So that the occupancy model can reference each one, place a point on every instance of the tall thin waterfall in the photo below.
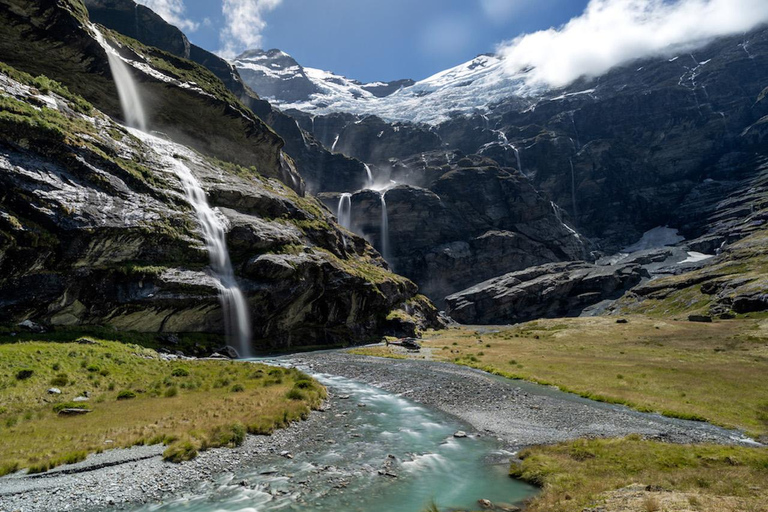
(384, 227)
(517, 156)
(345, 210)
(370, 175)
(233, 303)
(130, 101)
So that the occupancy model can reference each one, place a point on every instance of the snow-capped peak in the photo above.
(465, 89)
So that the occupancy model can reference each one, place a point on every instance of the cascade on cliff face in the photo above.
(233, 302)
(345, 210)
(384, 228)
(130, 101)
(370, 175)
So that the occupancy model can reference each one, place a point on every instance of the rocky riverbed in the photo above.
(506, 414)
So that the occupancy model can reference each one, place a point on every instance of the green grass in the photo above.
(716, 372)
(136, 398)
(576, 474)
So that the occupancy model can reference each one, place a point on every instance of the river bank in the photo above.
(506, 414)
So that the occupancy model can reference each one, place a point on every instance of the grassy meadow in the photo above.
(135, 397)
(716, 372)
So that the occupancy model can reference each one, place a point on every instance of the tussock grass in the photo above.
(136, 398)
(575, 474)
(716, 372)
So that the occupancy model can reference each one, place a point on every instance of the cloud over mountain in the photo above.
(613, 32)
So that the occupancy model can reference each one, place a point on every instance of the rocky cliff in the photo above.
(320, 169)
(95, 228)
(470, 221)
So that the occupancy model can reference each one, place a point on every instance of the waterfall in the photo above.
(345, 210)
(233, 303)
(559, 216)
(384, 227)
(517, 156)
(130, 101)
(370, 175)
(335, 141)
(573, 190)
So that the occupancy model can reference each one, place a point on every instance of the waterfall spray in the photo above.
(345, 210)
(384, 227)
(233, 303)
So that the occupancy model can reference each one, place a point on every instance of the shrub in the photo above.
(24, 373)
(237, 388)
(304, 384)
(93, 368)
(56, 367)
(228, 435)
(126, 394)
(61, 379)
(180, 372)
(171, 392)
(104, 372)
(295, 394)
(181, 451)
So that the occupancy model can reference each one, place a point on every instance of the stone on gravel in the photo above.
(54, 391)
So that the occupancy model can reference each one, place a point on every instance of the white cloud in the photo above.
(171, 11)
(614, 32)
(244, 23)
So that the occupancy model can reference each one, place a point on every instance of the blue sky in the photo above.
(378, 39)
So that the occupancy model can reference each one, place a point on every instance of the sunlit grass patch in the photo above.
(135, 397)
(576, 474)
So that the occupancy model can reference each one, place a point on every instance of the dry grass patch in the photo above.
(582, 474)
(136, 398)
(717, 372)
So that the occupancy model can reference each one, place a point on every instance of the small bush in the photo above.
(126, 394)
(93, 368)
(24, 374)
(181, 451)
(61, 379)
(237, 388)
(171, 392)
(304, 384)
(104, 372)
(180, 372)
(56, 367)
(295, 394)
(229, 435)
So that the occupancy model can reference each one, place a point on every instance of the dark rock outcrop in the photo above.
(547, 291)
(474, 222)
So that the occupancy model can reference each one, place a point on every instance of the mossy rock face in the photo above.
(97, 232)
(53, 39)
